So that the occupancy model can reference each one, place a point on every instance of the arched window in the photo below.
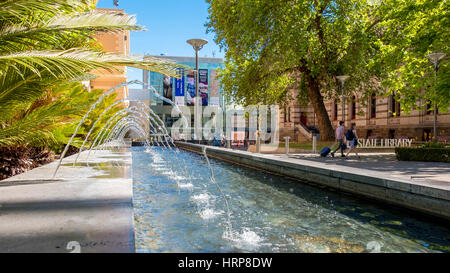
(373, 106)
(353, 107)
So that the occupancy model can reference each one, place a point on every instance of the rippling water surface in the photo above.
(179, 209)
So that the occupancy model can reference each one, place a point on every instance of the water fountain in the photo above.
(116, 127)
(107, 93)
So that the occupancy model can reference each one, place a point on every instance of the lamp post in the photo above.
(342, 79)
(197, 44)
(435, 58)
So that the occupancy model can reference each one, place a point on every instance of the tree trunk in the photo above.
(16, 160)
(313, 88)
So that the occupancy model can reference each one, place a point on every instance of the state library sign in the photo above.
(384, 143)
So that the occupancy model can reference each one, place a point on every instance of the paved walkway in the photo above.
(86, 209)
(385, 163)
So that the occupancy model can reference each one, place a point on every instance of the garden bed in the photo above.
(423, 154)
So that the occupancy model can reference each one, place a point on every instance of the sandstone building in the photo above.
(381, 117)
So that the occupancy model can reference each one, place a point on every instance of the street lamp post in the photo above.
(197, 44)
(435, 58)
(342, 79)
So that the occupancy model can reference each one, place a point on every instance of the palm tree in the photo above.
(45, 44)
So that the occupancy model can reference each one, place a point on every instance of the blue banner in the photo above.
(179, 89)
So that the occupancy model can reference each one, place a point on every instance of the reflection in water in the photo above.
(268, 213)
(115, 167)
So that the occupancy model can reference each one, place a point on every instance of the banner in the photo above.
(203, 85)
(214, 89)
(190, 90)
(167, 88)
(179, 89)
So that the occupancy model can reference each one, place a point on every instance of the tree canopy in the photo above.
(273, 46)
(410, 30)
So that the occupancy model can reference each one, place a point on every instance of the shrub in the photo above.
(433, 144)
(423, 154)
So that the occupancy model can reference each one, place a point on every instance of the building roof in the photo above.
(183, 59)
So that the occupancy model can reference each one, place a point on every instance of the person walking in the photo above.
(352, 138)
(340, 139)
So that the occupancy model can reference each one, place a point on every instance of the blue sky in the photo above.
(169, 24)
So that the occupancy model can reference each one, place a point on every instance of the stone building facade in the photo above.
(380, 117)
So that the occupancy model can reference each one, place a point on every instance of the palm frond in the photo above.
(39, 137)
(20, 8)
(15, 37)
(95, 21)
(35, 127)
(72, 62)
(66, 62)
(17, 94)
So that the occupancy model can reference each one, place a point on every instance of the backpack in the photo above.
(350, 135)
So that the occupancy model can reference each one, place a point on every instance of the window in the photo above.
(335, 110)
(430, 108)
(287, 114)
(427, 136)
(353, 107)
(391, 134)
(303, 118)
(395, 107)
(373, 106)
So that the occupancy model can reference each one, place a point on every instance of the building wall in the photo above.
(156, 81)
(119, 43)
